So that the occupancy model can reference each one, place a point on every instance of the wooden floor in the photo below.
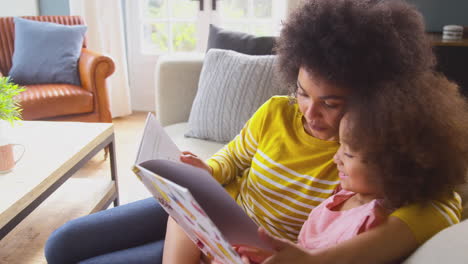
(25, 244)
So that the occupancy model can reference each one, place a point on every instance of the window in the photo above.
(171, 26)
(257, 17)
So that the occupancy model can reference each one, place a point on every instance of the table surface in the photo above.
(51, 149)
(437, 40)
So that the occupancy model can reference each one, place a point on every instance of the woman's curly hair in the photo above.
(415, 132)
(355, 44)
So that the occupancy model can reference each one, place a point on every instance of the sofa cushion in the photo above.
(202, 148)
(231, 88)
(60, 99)
(46, 52)
(219, 38)
(447, 246)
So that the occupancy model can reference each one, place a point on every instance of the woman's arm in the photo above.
(178, 248)
(235, 157)
(427, 219)
(225, 166)
(391, 241)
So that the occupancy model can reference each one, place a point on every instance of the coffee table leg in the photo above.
(114, 169)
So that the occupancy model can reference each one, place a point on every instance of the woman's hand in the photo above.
(192, 159)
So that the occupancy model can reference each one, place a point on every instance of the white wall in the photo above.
(293, 4)
(19, 8)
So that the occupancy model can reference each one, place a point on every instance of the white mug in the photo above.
(7, 160)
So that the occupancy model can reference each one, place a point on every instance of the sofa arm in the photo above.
(447, 246)
(176, 86)
(94, 68)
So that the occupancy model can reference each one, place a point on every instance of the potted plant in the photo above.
(10, 110)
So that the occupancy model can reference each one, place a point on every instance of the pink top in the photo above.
(325, 227)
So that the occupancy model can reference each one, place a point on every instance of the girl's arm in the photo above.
(406, 229)
(390, 241)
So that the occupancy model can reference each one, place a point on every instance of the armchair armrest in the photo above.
(176, 86)
(94, 68)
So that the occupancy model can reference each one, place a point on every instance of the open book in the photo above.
(192, 197)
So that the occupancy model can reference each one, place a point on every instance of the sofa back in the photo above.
(7, 35)
(176, 86)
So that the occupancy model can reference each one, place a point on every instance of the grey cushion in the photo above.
(231, 88)
(219, 38)
(46, 52)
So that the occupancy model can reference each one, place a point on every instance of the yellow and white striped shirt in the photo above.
(280, 173)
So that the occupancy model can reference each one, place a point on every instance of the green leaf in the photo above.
(10, 108)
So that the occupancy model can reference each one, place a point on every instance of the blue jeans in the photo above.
(131, 233)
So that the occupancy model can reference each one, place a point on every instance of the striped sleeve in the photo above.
(235, 157)
(426, 220)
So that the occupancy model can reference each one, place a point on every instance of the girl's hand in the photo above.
(253, 254)
(192, 159)
(245, 260)
(286, 251)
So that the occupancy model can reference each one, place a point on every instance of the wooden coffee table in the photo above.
(54, 152)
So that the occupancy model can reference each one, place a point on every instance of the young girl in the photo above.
(359, 206)
(413, 152)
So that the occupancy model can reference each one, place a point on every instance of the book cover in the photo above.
(192, 197)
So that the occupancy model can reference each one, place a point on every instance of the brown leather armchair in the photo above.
(88, 102)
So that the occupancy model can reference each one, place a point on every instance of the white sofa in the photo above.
(176, 86)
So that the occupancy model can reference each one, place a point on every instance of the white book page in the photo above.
(156, 143)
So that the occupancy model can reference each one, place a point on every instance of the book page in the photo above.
(156, 143)
(184, 209)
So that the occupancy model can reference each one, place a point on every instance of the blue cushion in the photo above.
(46, 52)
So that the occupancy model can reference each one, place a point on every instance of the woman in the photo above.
(329, 50)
